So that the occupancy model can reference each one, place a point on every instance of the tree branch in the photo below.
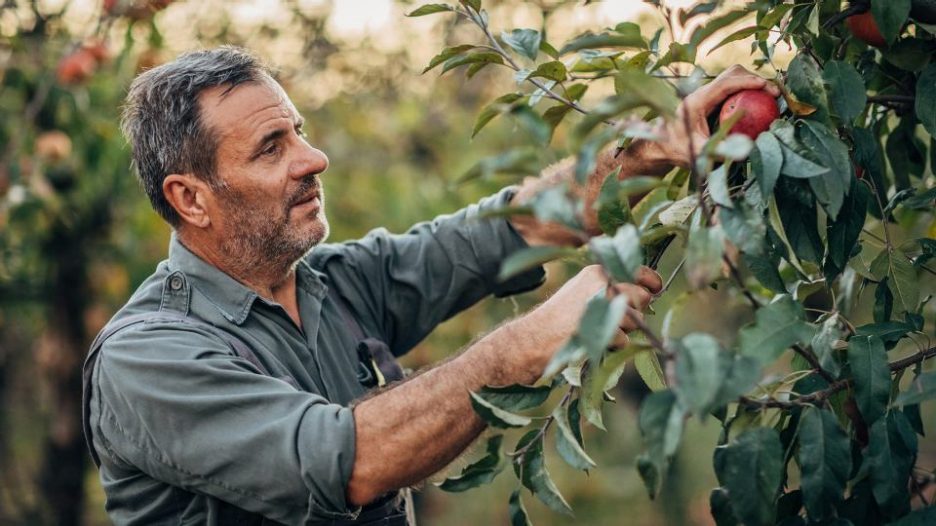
(821, 396)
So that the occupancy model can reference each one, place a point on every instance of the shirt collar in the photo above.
(232, 298)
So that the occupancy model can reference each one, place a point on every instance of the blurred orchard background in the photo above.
(77, 234)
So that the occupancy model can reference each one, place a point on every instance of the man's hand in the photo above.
(673, 145)
(642, 157)
(556, 320)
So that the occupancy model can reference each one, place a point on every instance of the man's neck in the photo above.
(268, 281)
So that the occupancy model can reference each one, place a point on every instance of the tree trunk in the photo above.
(60, 354)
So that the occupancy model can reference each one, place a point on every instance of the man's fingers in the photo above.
(630, 321)
(723, 87)
(637, 297)
(649, 279)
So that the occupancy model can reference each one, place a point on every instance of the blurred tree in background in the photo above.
(77, 235)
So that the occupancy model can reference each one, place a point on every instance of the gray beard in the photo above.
(264, 248)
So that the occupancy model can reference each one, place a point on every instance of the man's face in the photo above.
(269, 206)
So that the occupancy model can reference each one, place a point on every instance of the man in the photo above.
(230, 388)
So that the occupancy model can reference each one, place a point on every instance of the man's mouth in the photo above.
(314, 196)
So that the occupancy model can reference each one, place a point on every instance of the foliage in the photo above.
(831, 201)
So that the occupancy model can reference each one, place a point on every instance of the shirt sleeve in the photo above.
(406, 284)
(176, 403)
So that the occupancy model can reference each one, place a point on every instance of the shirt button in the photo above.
(175, 283)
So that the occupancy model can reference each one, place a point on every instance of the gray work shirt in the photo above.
(186, 429)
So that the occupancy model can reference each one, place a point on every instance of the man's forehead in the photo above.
(245, 108)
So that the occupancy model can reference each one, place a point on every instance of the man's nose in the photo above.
(312, 162)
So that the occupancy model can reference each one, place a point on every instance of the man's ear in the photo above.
(191, 198)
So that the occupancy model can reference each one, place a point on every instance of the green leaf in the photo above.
(650, 371)
(890, 16)
(599, 380)
(517, 397)
(648, 90)
(740, 34)
(736, 147)
(430, 9)
(477, 57)
(720, 506)
(533, 475)
(677, 52)
(825, 462)
(446, 54)
(530, 258)
(553, 70)
(718, 186)
(751, 469)
(603, 40)
(704, 255)
(612, 211)
(741, 376)
(716, 23)
(766, 161)
(830, 188)
(922, 388)
(480, 472)
(846, 90)
(842, 233)
(868, 361)
(555, 205)
(891, 453)
(824, 342)
(804, 79)
(700, 371)
(745, 228)
(519, 161)
(566, 444)
(799, 219)
(889, 331)
(799, 162)
(779, 325)
(621, 256)
(925, 102)
(775, 15)
(500, 105)
(473, 4)
(902, 282)
(921, 517)
(661, 424)
(523, 41)
(532, 122)
(600, 322)
(518, 514)
(496, 416)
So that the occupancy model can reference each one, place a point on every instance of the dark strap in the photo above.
(378, 365)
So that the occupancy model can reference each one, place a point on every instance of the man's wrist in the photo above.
(645, 157)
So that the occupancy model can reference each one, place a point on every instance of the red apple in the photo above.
(865, 28)
(76, 67)
(759, 107)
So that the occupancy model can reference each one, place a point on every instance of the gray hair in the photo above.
(162, 117)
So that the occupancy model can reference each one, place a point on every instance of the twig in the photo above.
(821, 396)
(495, 45)
(545, 427)
(810, 357)
(880, 99)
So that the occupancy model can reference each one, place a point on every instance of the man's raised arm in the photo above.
(413, 430)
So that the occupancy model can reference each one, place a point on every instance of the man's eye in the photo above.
(270, 150)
